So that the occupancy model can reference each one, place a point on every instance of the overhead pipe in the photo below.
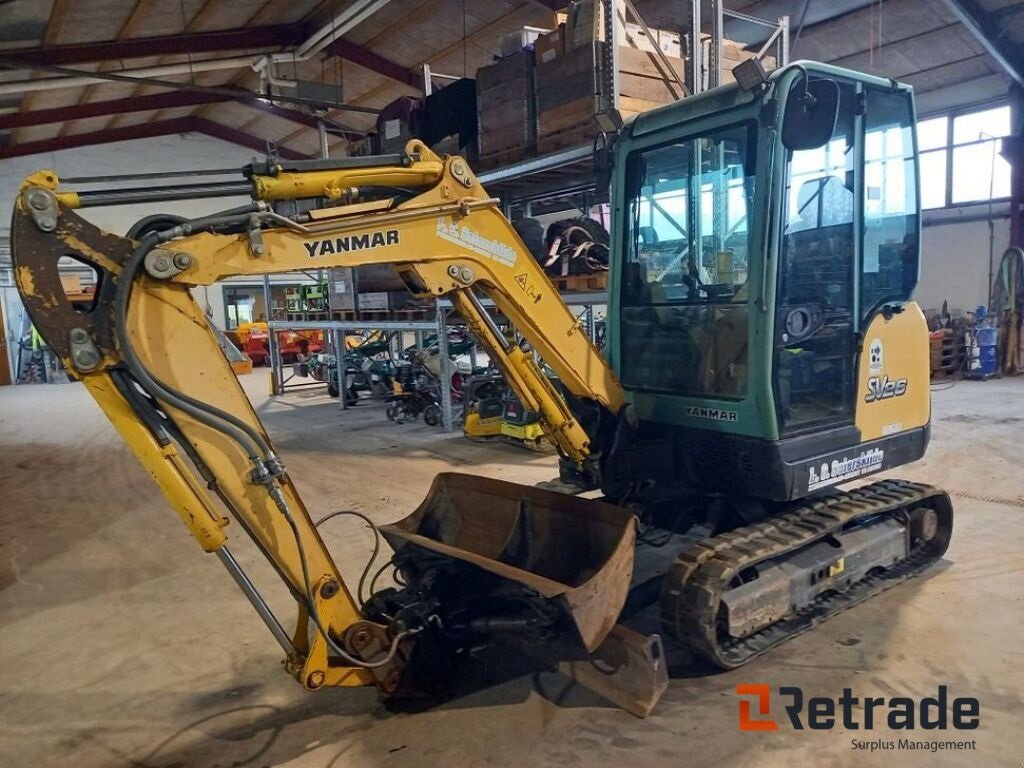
(165, 70)
(346, 20)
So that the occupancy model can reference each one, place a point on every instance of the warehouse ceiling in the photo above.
(950, 54)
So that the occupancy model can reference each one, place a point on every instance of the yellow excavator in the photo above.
(763, 348)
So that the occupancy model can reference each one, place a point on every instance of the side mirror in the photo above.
(811, 113)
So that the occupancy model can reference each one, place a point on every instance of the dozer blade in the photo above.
(575, 552)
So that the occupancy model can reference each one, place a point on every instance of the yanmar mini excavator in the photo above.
(763, 349)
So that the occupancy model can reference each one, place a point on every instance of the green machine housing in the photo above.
(749, 257)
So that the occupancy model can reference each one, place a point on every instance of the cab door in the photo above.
(816, 318)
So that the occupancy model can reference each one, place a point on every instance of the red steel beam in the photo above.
(278, 36)
(112, 107)
(169, 100)
(295, 116)
(235, 136)
(281, 35)
(374, 62)
(144, 131)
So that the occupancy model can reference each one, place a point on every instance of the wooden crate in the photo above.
(565, 92)
(573, 124)
(506, 117)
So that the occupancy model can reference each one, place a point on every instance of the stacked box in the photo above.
(505, 110)
(566, 87)
(550, 46)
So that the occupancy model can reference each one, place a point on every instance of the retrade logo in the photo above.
(851, 712)
(763, 697)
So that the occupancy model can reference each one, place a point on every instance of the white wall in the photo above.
(179, 152)
(954, 256)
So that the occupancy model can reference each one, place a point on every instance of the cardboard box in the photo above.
(585, 24)
(633, 35)
(549, 47)
(71, 283)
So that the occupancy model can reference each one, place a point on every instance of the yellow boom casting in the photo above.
(448, 240)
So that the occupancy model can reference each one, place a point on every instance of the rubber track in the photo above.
(703, 571)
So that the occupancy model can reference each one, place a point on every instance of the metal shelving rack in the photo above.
(336, 330)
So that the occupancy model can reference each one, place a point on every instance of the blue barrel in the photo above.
(986, 340)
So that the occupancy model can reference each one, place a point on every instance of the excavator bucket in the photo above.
(564, 548)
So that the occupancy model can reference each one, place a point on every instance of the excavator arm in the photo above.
(148, 356)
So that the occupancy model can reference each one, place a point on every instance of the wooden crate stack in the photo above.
(506, 110)
(947, 353)
(539, 102)
(565, 92)
(568, 65)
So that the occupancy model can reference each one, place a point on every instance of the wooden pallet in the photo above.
(946, 355)
(598, 281)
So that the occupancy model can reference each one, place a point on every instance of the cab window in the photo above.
(889, 267)
(684, 315)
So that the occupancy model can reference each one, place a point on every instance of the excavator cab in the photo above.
(761, 319)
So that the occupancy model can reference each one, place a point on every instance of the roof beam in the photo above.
(374, 62)
(310, 121)
(111, 107)
(170, 100)
(279, 36)
(235, 136)
(989, 31)
(188, 124)
(164, 45)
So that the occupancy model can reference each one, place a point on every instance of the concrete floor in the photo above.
(123, 645)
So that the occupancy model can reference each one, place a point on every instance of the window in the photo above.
(814, 307)
(241, 305)
(889, 266)
(684, 298)
(960, 161)
(246, 304)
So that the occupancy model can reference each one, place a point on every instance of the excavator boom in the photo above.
(146, 353)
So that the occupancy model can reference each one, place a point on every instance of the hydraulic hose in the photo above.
(244, 434)
(249, 438)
